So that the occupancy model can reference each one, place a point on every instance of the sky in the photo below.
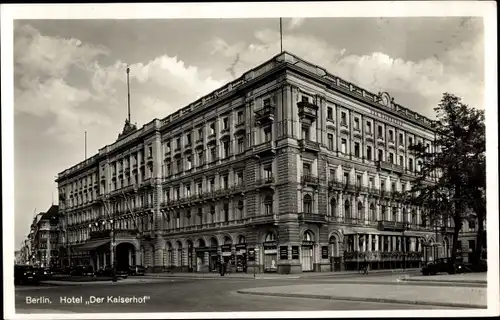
(70, 76)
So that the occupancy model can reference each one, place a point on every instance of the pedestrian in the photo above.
(365, 267)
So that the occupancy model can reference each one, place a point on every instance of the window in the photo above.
(305, 133)
(419, 165)
(239, 178)
(410, 164)
(393, 186)
(346, 179)
(382, 185)
(344, 146)
(380, 131)
(212, 213)
(391, 157)
(472, 225)
(188, 190)
(212, 128)
(268, 172)
(178, 143)
(199, 188)
(343, 119)
(330, 141)
(401, 161)
(189, 163)
(241, 145)
(267, 102)
(225, 123)
(226, 211)
(150, 151)
(358, 181)
(225, 182)
(371, 183)
(356, 149)
(472, 245)
(188, 138)
(225, 149)
(329, 113)
(410, 141)
(380, 155)
(240, 117)
(401, 139)
(201, 159)
(178, 165)
(211, 184)
(427, 147)
(267, 134)
(305, 98)
(200, 215)
(200, 134)
(373, 214)
(333, 207)
(356, 123)
(347, 209)
(369, 153)
(268, 205)
(368, 127)
(413, 218)
(307, 204)
(177, 192)
(391, 136)
(394, 214)
(213, 154)
(306, 169)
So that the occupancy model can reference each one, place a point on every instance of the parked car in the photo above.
(82, 271)
(443, 265)
(25, 274)
(480, 266)
(108, 272)
(136, 271)
(43, 273)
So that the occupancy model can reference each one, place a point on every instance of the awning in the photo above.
(91, 245)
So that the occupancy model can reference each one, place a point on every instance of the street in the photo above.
(193, 295)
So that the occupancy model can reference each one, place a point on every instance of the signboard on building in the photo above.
(284, 253)
(240, 248)
(324, 252)
(226, 250)
(251, 254)
(295, 252)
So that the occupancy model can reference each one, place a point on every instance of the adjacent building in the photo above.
(45, 238)
(286, 169)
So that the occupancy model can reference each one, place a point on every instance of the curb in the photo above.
(90, 283)
(448, 281)
(380, 300)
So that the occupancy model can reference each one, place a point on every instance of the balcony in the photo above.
(390, 167)
(307, 110)
(265, 182)
(357, 133)
(310, 180)
(187, 146)
(240, 125)
(263, 149)
(263, 219)
(312, 218)
(264, 115)
(335, 185)
(308, 145)
(369, 136)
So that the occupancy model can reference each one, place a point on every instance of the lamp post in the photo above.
(406, 227)
(256, 260)
(113, 249)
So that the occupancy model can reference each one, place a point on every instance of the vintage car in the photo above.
(443, 266)
(25, 274)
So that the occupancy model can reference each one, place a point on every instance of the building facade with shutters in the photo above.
(286, 169)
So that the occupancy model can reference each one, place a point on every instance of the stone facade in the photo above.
(286, 169)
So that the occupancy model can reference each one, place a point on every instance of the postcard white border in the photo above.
(485, 9)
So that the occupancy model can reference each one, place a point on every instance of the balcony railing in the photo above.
(309, 179)
(392, 167)
(335, 185)
(393, 225)
(263, 219)
(307, 110)
(308, 145)
(312, 217)
(265, 147)
(265, 181)
(265, 114)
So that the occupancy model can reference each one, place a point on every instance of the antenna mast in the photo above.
(128, 93)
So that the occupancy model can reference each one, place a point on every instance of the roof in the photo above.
(52, 212)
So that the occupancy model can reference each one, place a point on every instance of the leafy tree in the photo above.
(451, 175)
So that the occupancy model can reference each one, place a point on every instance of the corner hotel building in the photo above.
(286, 169)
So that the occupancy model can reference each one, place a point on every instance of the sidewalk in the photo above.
(464, 278)
(463, 297)
(303, 275)
(119, 282)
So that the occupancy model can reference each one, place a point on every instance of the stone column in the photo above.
(369, 242)
(364, 242)
(356, 242)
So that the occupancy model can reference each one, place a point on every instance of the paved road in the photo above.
(191, 295)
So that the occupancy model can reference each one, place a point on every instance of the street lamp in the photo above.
(255, 264)
(113, 249)
(406, 227)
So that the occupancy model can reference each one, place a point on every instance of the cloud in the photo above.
(295, 23)
(377, 71)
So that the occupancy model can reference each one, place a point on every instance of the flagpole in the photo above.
(281, 35)
(85, 145)
(128, 93)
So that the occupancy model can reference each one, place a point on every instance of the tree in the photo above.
(449, 179)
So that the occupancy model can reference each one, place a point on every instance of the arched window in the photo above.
(268, 205)
(308, 236)
(213, 242)
(228, 240)
(270, 236)
(347, 209)
(240, 209)
(373, 213)
(360, 210)
(178, 220)
(241, 240)
(333, 207)
(307, 204)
